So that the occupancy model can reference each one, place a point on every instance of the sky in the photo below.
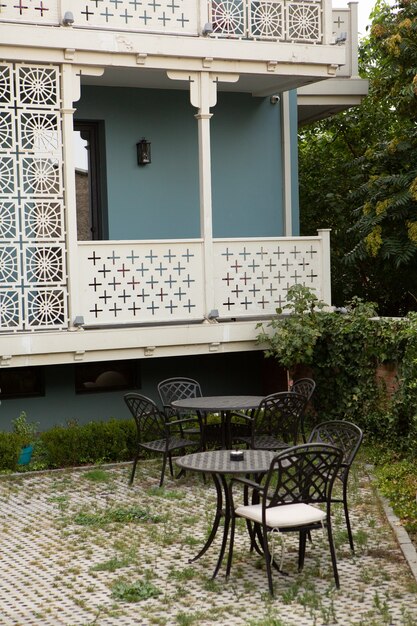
(364, 9)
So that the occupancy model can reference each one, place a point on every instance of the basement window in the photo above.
(22, 382)
(106, 376)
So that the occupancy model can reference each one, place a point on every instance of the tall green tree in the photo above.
(358, 171)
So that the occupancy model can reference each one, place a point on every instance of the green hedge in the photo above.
(10, 446)
(67, 446)
(110, 441)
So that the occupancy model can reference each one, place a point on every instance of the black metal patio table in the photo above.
(219, 464)
(225, 405)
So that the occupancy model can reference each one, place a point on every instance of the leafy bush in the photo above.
(397, 480)
(110, 441)
(343, 352)
(10, 446)
(27, 431)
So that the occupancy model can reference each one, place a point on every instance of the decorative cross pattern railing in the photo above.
(276, 20)
(163, 281)
(33, 290)
(253, 276)
(147, 282)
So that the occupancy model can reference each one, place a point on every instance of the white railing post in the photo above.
(70, 94)
(327, 22)
(353, 41)
(204, 14)
(326, 295)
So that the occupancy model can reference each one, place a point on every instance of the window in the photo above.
(106, 376)
(22, 382)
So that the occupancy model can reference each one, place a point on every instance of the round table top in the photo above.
(219, 403)
(219, 462)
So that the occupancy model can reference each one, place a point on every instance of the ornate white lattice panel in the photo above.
(30, 11)
(229, 17)
(267, 20)
(252, 277)
(303, 21)
(277, 20)
(33, 287)
(162, 16)
(147, 282)
(165, 16)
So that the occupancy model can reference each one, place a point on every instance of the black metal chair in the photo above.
(177, 388)
(348, 437)
(181, 388)
(275, 424)
(298, 478)
(306, 387)
(155, 432)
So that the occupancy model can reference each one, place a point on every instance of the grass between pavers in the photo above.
(120, 552)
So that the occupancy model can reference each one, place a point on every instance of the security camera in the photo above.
(274, 99)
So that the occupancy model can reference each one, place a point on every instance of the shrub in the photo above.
(10, 446)
(110, 441)
(343, 352)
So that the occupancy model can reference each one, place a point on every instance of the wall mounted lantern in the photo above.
(144, 151)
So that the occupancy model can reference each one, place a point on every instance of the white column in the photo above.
(71, 91)
(286, 162)
(203, 96)
(326, 295)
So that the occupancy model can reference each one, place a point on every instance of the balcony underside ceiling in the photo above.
(138, 60)
(327, 98)
(54, 348)
(255, 84)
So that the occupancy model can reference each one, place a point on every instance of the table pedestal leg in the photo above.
(216, 522)
(221, 483)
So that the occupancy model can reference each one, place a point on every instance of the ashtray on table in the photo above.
(236, 455)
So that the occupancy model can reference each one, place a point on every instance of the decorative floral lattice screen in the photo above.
(33, 291)
(279, 20)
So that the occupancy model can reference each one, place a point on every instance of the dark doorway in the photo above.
(89, 180)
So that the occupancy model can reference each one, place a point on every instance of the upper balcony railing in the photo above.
(297, 21)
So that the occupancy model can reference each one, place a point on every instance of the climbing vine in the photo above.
(343, 351)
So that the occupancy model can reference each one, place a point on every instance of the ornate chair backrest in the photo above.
(279, 415)
(304, 473)
(150, 422)
(344, 435)
(178, 388)
(304, 386)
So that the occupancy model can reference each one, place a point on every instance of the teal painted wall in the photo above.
(234, 373)
(161, 200)
(246, 167)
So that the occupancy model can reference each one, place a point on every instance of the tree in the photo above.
(358, 171)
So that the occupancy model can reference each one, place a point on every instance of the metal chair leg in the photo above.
(132, 475)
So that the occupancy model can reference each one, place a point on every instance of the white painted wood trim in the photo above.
(286, 163)
(324, 233)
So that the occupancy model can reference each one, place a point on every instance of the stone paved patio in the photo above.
(63, 550)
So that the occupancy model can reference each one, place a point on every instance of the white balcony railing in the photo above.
(276, 20)
(163, 281)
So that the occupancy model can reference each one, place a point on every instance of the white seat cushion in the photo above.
(283, 516)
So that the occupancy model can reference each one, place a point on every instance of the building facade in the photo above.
(148, 193)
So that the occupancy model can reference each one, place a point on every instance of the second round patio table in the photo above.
(219, 464)
(225, 405)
